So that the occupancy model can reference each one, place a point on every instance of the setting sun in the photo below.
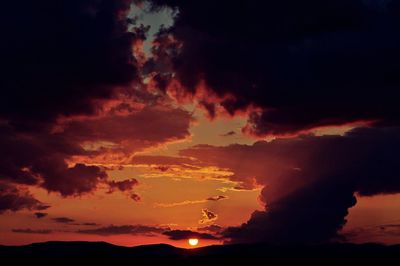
(193, 241)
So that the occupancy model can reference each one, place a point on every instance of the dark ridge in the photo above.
(162, 254)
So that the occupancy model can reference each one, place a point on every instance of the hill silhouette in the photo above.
(162, 254)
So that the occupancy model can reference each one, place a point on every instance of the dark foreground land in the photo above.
(57, 253)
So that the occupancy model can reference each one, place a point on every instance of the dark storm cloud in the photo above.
(57, 57)
(14, 199)
(305, 63)
(32, 231)
(186, 234)
(77, 180)
(39, 158)
(63, 220)
(40, 215)
(309, 181)
(62, 63)
(124, 230)
(312, 214)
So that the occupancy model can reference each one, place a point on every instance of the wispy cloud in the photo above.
(189, 202)
(125, 230)
(176, 204)
(32, 231)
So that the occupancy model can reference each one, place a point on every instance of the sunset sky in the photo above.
(143, 122)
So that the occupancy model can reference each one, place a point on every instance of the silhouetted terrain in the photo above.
(100, 252)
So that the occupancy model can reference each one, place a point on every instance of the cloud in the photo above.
(217, 198)
(176, 204)
(125, 185)
(130, 131)
(85, 54)
(69, 221)
(376, 233)
(162, 168)
(384, 226)
(39, 159)
(228, 134)
(169, 164)
(76, 180)
(124, 230)
(208, 216)
(59, 138)
(40, 215)
(135, 197)
(59, 161)
(295, 61)
(186, 234)
(46, 164)
(90, 224)
(14, 199)
(162, 160)
(211, 228)
(189, 202)
(309, 181)
(32, 231)
(63, 220)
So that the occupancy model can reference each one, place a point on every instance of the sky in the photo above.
(145, 122)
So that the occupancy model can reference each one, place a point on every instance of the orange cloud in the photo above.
(189, 202)
(175, 204)
(208, 216)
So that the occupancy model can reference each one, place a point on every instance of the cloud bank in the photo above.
(303, 64)
(310, 181)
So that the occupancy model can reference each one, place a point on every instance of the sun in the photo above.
(193, 242)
